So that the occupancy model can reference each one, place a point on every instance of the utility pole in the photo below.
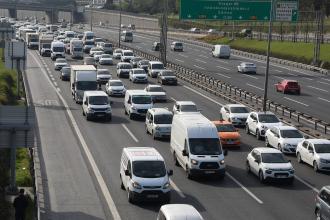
(120, 9)
(271, 16)
(163, 34)
(91, 13)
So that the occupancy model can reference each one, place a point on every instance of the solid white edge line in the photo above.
(223, 68)
(212, 100)
(97, 173)
(176, 188)
(129, 132)
(296, 101)
(244, 188)
(173, 99)
(323, 90)
(307, 184)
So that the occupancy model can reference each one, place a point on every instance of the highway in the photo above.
(314, 99)
(238, 196)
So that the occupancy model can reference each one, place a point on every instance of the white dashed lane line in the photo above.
(221, 67)
(254, 86)
(323, 90)
(301, 103)
(201, 61)
(199, 67)
(326, 100)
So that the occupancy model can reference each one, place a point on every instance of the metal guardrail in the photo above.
(235, 94)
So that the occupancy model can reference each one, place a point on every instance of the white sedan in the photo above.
(269, 164)
(94, 50)
(235, 113)
(97, 55)
(115, 87)
(284, 138)
(105, 59)
(117, 53)
(59, 63)
(247, 68)
(157, 93)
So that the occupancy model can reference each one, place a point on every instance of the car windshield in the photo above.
(89, 37)
(139, 72)
(204, 146)
(128, 54)
(141, 99)
(107, 45)
(66, 70)
(136, 59)
(98, 53)
(273, 158)
(116, 83)
(268, 118)
(89, 42)
(188, 108)
(103, 72)
(70, 35)
(179, 44)
(239, 110)
(249, 64)
(96, 50)
(149, 169)
(98, 100)
(118, 51)
(106, 56)
(293, 84)
(77, 49)
(158, 66)
(155, 89)
(168, 73)
(58, 49)
(291, 134)
(46, 46)
(34, 40)
(144, 62)
(60, 60)
(125, 66)
(163, 119)
(225, 128)
(129, 34)
(86, 85)
(322, 148)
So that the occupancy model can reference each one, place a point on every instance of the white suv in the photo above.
(159, 122)
(284, 138)
(235, 113)
(268, 163)
(315, 152)
(258, 123)
(138, 75)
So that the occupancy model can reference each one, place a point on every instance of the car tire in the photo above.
(130, 196)
(279, 147)
(258, 134)
(122, 184)
(267, 142)
(176, 162)
(88, 118)
(130, 115)
(315, 166)
(299, 158)
(147, 129)
(261, 177)
(248, 168)
(83, 113)
(188, 173)
(247, 129)
(153, 135)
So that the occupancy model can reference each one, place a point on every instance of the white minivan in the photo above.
(137, 103)
(178, 212)
(144, 176)
(195, 145)
(96, 104)
(221, 51)
(57, 50)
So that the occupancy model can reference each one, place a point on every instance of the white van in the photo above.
(178, 212)
(57, 50)
(96, 104)
(143, 175)
(196, 146)
(137, 103)
(126, 36)
(221, 51)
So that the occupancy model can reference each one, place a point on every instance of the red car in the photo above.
(288, 86)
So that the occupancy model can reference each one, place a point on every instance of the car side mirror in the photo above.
(129, 102)
(257, 161)
(185, 153)
(85, 103)
(170, 173)
(127, 173)
(225, 152)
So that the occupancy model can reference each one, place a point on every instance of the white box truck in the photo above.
(45, 42)
(76, 48)
(195, 145)
(32, 40)
(83, 78)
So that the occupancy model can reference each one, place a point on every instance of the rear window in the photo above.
(107, 45)
(157, 66)
(293, 84)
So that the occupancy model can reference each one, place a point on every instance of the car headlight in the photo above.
(136, 185)
(90, 109)
(287, 145)
(291, 171)
(108, 109)
(166, 185)
(133, 108)
(194, 162)
(268, 171)
(222, 162)
(323, 160)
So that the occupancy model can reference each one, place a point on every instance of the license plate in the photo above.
(209, 172)
(152, 196)
(99, 115)
(230, 142)
(281, 176)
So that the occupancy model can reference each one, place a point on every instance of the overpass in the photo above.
(50, 7)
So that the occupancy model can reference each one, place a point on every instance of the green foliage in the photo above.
(23, 175)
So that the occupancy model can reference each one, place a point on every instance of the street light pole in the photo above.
(91, 19)
(163, 34)
(120, 9)
(264, 106)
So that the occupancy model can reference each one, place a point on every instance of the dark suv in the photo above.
(322, 207)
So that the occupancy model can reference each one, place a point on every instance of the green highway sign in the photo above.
(244, 10)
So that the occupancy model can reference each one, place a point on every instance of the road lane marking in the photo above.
(263, 67)
(326, 79)
(103, 186)
(55, 84)
(307, 184)
(301, 103)
(308, 79)
(138, 47)
(212, 100)
(244, 188)
(326, 100)
(250, 76)
(254, 86)
(223, 68)
(279, 71)
(176, 188)
(203, 56)
(223, 75)
(179, 60)
(173, 99)
(291, 74)
(222, 61)
(323, 90)
(185, 56)
(199, 67)
(279, 77)
(201, 61)
(130, 133)
(58, 89)
(324, 83)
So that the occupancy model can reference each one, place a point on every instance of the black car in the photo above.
(156, 46)
(167, 77)
(65, 73)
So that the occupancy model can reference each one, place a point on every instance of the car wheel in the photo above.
(284, 92)
(130, 196)
(318, 214)
(122, 184)
(83, 113)
(248, 168)
(315, 166)
(147, 129)
(267, 142)
(299, 158)
(261, 177)
(88, 118)
(279, 147)
(188, 173)
(258, 134)
(247, 129)
(130, 115)
(153, 135)
(176, 162)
